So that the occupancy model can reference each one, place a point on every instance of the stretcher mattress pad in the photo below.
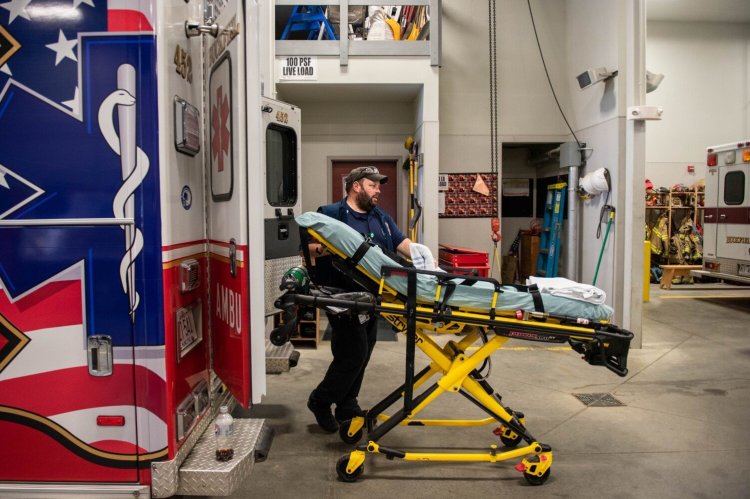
(475, 297)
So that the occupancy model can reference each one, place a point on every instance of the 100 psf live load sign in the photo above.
(299, 68)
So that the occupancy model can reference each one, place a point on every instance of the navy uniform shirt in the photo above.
(376, 224)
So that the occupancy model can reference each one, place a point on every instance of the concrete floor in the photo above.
(683, 431)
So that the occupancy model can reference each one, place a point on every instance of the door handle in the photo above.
(209, 26)
(233, 257)
(195, 28)
(99, 355)
(722, 216)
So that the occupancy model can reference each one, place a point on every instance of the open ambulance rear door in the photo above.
(234, 202)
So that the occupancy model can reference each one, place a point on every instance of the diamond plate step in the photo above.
(202, 475)
(280, 359)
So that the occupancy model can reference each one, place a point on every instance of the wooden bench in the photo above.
(672, 271)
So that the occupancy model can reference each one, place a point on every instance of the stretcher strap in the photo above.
(440, 307)
(361, 251)
(536, 295)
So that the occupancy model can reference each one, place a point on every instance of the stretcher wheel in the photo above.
(341, 470)
(507, 437)
(510, 441)
(344, 433)
(531, 479)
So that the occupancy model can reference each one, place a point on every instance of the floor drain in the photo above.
(598, 399)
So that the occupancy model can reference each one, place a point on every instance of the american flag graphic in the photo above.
(59, 285)
(46, 388)
(47, 32)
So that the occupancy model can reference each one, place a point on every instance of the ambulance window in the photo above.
(281, 166)
(734, 188)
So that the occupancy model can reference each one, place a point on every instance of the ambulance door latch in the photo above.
(233, 257)
(99, 355)
(209, 26)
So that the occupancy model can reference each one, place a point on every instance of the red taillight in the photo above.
(711, 159)
(746, 155)
(110, 420)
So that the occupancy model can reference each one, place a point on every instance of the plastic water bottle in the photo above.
(223, 427)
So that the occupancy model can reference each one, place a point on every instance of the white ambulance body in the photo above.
(147, 195)
(726, 218)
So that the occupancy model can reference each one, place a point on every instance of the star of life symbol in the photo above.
(134, 163)
(220, 141)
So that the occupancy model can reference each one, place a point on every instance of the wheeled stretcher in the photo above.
(420, 303)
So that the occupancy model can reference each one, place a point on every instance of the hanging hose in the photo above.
(611, 210)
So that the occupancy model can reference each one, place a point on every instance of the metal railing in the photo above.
(343, 48)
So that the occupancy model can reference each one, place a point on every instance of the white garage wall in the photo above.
(705, 95)
(526, 107)
(574, 35)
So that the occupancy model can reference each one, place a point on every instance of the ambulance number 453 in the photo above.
(183, 64)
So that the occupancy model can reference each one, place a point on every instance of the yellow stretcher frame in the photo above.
(457, 365)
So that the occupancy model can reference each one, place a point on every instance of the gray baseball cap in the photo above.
(369, 172)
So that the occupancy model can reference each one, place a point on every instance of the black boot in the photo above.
(348, 410)
(323, 415)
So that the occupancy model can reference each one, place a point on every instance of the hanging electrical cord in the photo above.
(549, 80)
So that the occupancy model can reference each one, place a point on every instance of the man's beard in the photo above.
(366, 202)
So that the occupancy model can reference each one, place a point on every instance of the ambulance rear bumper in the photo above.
(719, 275)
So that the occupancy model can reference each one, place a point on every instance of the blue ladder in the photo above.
(549, 242)
(310, 18)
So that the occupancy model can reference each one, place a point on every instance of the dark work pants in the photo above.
(351, 345)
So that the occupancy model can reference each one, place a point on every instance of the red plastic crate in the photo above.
(462, 257)
(482, 271)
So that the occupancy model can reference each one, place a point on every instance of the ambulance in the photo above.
(726, 215)
(147, 198)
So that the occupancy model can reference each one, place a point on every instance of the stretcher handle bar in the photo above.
(388, 270)
(288, 302)
(288, 299)
(614, 356)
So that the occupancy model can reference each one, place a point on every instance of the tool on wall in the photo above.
(496, 238)
(415, 208)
